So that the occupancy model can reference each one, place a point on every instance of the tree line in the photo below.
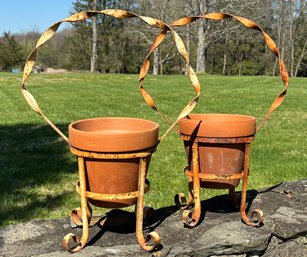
(107, 45)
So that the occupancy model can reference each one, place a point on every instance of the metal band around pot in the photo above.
(95, 155)
(218, 140)
(268, 40)
(213, 176)
(119, 14)
(119, 196)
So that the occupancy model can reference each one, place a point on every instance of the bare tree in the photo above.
(299, 61)
(291, 25)
(155, 68)
(165, 10)
(94, 55)
(209, 32)
(188, 46)
(298, 34)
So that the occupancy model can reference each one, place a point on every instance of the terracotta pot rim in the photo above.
(218, 125)
(247, 118)
(72, 125)
(113, 134)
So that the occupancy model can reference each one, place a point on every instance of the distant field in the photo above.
(38, 173)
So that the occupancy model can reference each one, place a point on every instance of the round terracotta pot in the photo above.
(218, 158)
(113, 135)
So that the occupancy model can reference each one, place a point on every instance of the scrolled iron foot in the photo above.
(151, 242)
(181, 201)
(255, 219)
(77, 243)
(76, 216)
(188, 218)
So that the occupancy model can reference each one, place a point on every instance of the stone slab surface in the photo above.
(220, 232)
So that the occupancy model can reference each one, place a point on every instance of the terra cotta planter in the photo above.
(113, 135)
(218, 158)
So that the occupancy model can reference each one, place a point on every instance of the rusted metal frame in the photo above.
(181, 201)
(257, 216)
(191, 217)
(180, 198)
(122, 196)
(244, 186)
(95, 155)
(217, 140)
(152, 240)
(196, 183)
(191, 193)
(85, 223)
(213, 176)
(84, 213)
(76, 217)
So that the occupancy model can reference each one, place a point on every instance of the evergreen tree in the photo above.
(10, 52)
(81, 43)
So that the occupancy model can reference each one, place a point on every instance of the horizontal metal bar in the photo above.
(103, 197)
(95, 155)
(120, 196)
(205, 176)
(218, 140)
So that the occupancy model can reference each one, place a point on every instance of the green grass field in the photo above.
(38, 173)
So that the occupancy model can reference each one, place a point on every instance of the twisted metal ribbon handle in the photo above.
(119, 14)
(268, 40)
(192, 76)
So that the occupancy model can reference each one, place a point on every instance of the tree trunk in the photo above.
(161, 64)
(186, 72)
(201, 59)
(266, 63)
(279, 28)
(224, 63)
(291, 37)
(225, 55)
(300, 58)
(155, 68)
(94, 55)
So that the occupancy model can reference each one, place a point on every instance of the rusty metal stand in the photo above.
(84, 214)
(192, 208)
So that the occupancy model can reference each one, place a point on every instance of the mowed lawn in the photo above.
(38, 173)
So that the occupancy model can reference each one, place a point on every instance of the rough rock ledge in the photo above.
(220, 233)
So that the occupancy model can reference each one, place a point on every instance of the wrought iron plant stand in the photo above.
(192, 207)
(85, 211)
(83, 216)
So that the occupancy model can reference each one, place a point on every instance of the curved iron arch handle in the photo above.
(268, 40)
(119, 14)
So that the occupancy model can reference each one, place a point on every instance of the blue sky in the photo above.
(25, 15)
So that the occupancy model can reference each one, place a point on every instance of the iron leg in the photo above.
(191, 217)
(180, 198)
(84, 214)
(257, 216)
(153, 239)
